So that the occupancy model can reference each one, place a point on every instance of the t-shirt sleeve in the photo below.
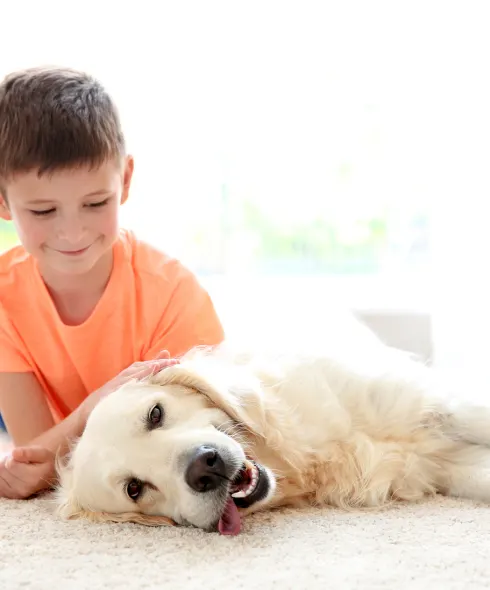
(12, 355)
(188, 320)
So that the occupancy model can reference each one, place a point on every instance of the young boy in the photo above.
(84, 306)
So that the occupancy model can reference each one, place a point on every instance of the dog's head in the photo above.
(170, 450)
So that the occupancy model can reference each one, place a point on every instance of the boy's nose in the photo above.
(72, 231)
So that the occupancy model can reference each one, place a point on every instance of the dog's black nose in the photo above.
(206, 470)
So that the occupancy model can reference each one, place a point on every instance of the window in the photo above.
(285, 148)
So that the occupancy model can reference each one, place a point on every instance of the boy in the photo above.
(84, 306)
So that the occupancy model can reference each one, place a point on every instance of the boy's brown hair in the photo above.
(55, 118)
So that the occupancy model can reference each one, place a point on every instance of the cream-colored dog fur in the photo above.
(355, 425)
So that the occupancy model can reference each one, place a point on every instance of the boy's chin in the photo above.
(76, 264)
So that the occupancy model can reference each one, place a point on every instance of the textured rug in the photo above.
(443, 543)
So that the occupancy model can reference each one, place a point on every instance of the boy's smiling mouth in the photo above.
(73, 252)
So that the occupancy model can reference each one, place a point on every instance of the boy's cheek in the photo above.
(27, 228)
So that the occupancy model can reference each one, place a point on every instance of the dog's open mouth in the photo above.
(245, 484)
(249, 486)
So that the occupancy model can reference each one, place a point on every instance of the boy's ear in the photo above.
(4, 210)
(128, 175)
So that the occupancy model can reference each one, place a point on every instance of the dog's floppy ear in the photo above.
(136, 517)
(232, 389)
(69, 509)
(235, 390)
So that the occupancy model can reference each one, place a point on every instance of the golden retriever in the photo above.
(220, 435)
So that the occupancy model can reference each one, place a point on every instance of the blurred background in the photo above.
(301, 155)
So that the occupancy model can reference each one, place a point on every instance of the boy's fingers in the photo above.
(6, 490)
(14, 476)
(163, 365)
(153, 367)
(23, 479)
(142, 372)
(20, 454)
(163, 354)
(31, 455)
(9, 483)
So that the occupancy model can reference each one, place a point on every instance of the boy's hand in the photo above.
(138, 370)
(26, 471)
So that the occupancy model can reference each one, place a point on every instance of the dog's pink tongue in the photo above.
(230, 523)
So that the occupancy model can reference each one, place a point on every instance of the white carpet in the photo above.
(444, 543)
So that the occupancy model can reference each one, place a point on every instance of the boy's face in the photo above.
(68, 219)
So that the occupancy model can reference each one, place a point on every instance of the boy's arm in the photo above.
(59, 437)
(23, 407)
(31, 468)
(29, 421)
(190, 320)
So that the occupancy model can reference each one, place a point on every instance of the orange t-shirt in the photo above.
(151, 303)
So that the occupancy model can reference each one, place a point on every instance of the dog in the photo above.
(227, 433)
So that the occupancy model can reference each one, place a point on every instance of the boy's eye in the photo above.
(99, 204)
(52, 210)
(41, 213)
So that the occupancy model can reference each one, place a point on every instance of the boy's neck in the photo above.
(75, 296)
(92, 282)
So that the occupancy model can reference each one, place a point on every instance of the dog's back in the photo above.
(363, 427)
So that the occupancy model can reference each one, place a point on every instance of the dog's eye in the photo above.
(155, 416)
(134, 489)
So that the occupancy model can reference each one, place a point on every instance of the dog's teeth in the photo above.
(240, 494)
(254, 473)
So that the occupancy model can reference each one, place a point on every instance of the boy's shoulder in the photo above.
(16, 268)
(14, 262)
(149, 262)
